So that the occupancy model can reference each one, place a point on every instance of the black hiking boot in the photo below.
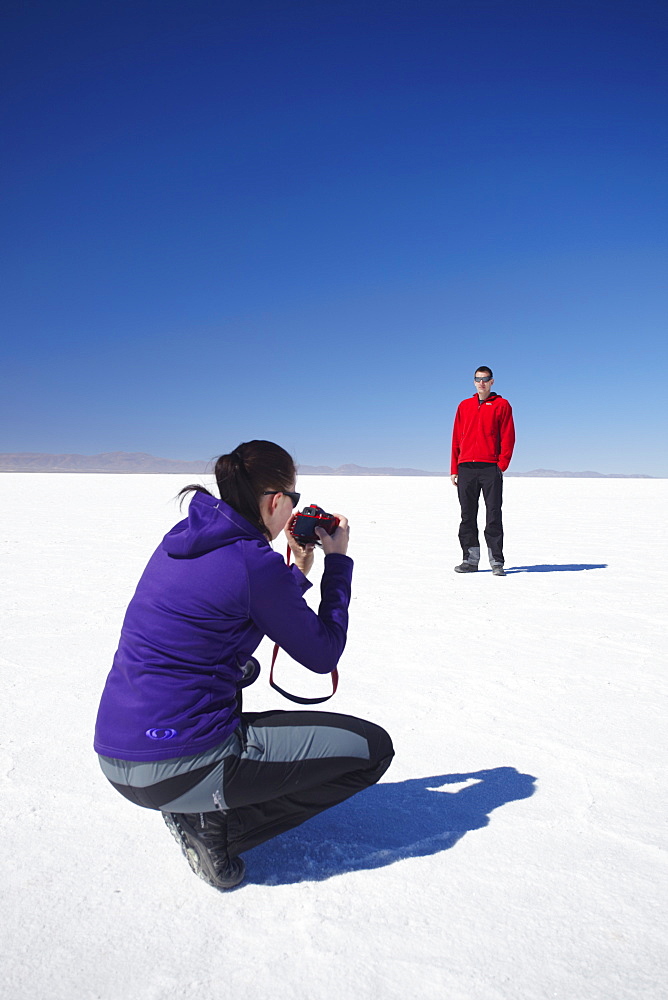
(203, 840)
(466, 567)
(498, 570)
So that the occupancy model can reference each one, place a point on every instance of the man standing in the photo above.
(482, 445)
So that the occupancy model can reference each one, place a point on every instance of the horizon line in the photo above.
(138, 463)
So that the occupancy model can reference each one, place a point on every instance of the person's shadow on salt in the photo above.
(551, 568)
(385, 823)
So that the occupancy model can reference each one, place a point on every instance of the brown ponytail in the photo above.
(245, 474)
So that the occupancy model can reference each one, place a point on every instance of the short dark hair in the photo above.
(244, 475)
(484, 368)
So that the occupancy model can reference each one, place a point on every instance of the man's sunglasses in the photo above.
(295, 497)
(482, 378)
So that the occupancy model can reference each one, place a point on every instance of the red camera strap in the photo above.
(295, 697)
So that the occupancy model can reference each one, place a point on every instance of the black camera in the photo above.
(303, 525)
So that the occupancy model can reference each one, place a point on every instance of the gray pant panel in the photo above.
(143, 774)
(271, 744)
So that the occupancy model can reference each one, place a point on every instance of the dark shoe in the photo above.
(466, 567)
(203, 840)
(498, 570)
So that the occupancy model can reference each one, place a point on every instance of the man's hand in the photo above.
(453, 479)
(338, 542)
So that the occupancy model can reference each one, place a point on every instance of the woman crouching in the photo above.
(170, 734)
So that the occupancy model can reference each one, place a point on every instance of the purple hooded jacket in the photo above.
(209, 594)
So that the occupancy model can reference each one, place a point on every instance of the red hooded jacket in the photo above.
(483, 432)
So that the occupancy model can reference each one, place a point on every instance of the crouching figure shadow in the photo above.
(387, 822)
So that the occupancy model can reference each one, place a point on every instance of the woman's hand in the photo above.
(302, 555)
(338, 542)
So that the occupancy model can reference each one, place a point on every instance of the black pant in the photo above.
(294, 765)
(472, 477)
(277, 770)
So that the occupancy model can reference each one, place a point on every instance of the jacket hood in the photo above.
(210, 524)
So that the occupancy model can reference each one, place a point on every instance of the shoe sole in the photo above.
(194, 859)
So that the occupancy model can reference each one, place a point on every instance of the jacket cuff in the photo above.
(340, 563)
(302, 582)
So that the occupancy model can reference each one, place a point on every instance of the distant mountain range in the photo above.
(113, 461)
(360, 470)
(551, 474)
(129, 462)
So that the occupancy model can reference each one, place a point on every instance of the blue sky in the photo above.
(310, 221)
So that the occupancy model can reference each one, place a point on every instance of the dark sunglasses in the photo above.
(295, 497)
(482, 378)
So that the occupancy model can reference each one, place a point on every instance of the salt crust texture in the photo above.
(514, 848)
